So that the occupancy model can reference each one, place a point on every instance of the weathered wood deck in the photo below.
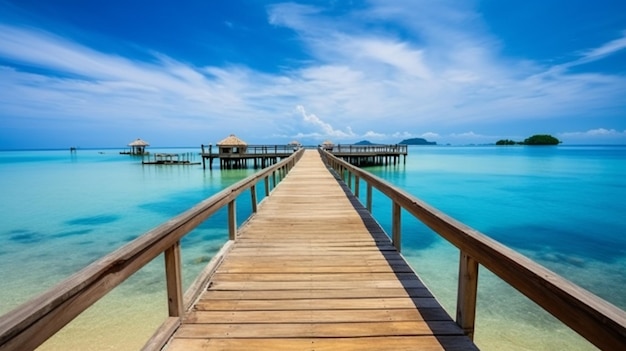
(312, 270)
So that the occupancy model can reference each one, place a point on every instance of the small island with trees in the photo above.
(417, 141)
(538, 139)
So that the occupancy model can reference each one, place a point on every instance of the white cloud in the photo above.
(599, 132)
(430, 135)
(605, 50)
(374, 135)
(325, 128)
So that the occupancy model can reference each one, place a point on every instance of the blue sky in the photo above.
(184, 73)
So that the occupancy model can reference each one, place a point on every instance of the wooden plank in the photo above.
(312, 304)
(316, 277)
(314, 293)
(325, 285)
(396, 343)
(315, 316)
(319, 330)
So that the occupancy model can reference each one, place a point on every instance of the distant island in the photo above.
(417, 141)
(538, 139)
(364, 142)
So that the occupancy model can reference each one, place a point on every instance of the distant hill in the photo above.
(364, 142)
(417, 141)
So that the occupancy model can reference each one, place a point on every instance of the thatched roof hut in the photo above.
(328, 145)
(232, 145)
(138, 147)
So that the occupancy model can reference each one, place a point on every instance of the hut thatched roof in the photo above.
(294, 142)
(327, 142)
(232, 140)
(139, 142)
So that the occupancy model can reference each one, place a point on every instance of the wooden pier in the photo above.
(312, 270)
(371, 155)
(261, 156)
(258, 156)
(170, 159)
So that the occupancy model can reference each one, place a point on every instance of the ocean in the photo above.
(561, 206)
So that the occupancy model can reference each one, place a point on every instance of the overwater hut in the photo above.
(232, 146)
(295, 145)
(138, 147)
(328, 145)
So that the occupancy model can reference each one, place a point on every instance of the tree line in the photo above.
(538, 139)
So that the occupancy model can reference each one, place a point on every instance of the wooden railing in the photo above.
(597, 320)
(397, 149)
(30, 324)
(252, 150)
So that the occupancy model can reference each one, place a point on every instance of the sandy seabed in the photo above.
(120, 321)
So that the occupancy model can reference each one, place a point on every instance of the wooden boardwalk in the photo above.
(312, 270)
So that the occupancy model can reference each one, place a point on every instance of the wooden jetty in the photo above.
(258, 156)
(261, 156)
(312, 270)
(170, 159)
(369, 155)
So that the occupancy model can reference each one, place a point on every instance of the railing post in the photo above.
(274, 179)
(349, 174)
(396, 236)
(466, 295)
(368, 202)
(253, 195)
(267, 186)
(357, 180)
(173, 278)
(232, 220)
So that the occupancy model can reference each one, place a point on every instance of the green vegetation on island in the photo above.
(364, 142)
(417, 141)
(537, 139)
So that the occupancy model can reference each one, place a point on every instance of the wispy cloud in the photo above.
(595, 132)
(605, 50)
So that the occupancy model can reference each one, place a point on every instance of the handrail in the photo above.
(373, 148)
(598, 321)
(32, 323)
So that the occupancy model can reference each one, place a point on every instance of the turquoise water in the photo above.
(561, 206)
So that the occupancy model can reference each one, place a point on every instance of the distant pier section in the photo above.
(371, 155)
(233, 152)
(170, 159)
(259, 156)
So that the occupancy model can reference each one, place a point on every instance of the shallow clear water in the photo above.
(561, 206)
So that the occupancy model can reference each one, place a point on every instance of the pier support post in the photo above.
(174, 280)
(349, 175)
(396, 225)
(253, 194)
(232, 220)
(467, 293)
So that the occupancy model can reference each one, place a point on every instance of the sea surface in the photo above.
(561, 206)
